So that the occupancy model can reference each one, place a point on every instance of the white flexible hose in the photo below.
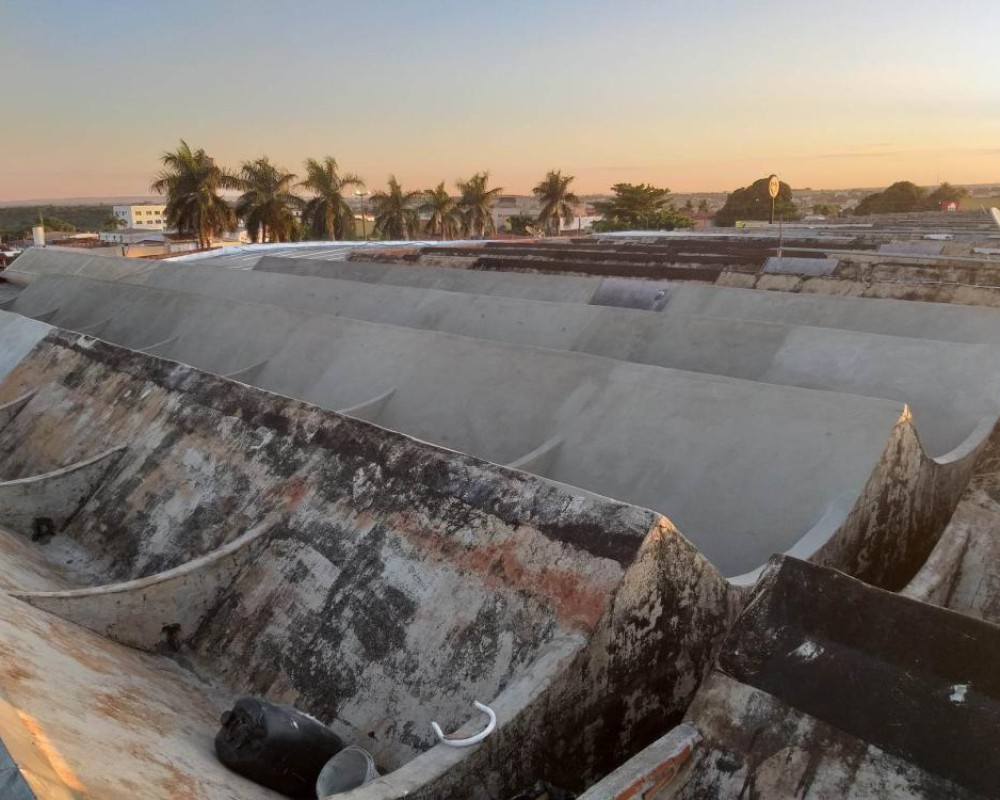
(471, 740)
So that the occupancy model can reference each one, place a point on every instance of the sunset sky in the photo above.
(694, 96)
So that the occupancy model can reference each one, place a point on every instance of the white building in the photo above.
(513, 205)
(142, 216)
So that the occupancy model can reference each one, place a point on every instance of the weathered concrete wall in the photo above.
(41, 505)
(392, 582)
(652, 770)
(903, 509)
(798, 705)
(963, 571)
(754, 743)
(668, 593)
(970, 286)
(152, 613)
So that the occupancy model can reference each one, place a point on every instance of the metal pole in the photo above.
(781, 234)
(364, 222)
(772, 211)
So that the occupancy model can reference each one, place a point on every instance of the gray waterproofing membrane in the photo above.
(710, 452)
(950, 386)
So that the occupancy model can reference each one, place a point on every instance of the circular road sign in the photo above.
(773, 186)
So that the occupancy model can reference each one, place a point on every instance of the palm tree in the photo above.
(444, 217)
(267, 204)
(192, 183)
(327, 215)
(113, 222)
(475, 204)
(557, 201)
(395, 217)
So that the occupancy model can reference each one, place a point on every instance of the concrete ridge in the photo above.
(369, 409)
(41, 505)
(539, 459)
(151, 612)
(247, 374)
(95, 328)
(45, 316)
(10, 410)
(152, 349)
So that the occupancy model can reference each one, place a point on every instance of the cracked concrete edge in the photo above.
(650, 770)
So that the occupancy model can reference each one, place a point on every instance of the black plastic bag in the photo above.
(276, 746)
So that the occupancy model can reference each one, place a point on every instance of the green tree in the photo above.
(557, 201)
(522, 224)
(703, 206)
(191, 182)
(637, 207)
(113, 222)
(444, 219)
(57, 224)
(901, 197)
(475, 204)
(327, 215)
(267, 205)
(945, 193)
(395, 216)
(826, 209)
(753, 202)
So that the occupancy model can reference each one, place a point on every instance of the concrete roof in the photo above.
(950, 386)
(378, 581)
(675, 438)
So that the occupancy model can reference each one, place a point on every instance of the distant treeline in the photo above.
(17, 221)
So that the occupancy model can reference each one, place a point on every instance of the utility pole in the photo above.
(364, 226)
(773, 187)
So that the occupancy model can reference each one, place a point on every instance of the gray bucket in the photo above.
(351, 768)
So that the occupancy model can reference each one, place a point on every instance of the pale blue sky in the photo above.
(694, 96)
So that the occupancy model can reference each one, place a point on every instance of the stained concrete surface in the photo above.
(798, 704)
(888, 531)
(367, 540)
(84, 717)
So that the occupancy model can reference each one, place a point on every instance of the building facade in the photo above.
(141, 216)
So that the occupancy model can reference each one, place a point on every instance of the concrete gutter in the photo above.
(10, 410)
